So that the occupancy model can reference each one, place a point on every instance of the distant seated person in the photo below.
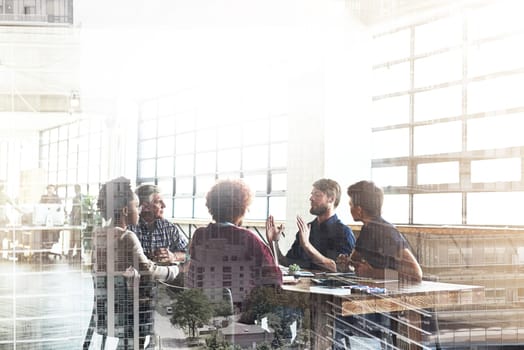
(50, 196)
(224, 250)
(318, 243)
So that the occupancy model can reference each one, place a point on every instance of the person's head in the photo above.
(365, 200)
(228, 200)
(325, 196)
(151, 202)
(77, 189)
(117, 201)
(50, 189)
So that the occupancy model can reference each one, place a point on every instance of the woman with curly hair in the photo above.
(225, 254)
(123, 276)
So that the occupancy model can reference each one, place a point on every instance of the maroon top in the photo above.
(227, 256)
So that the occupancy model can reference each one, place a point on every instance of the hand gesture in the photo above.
(303, 230)
(273, 232)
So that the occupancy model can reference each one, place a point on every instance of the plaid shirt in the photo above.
(165, 235)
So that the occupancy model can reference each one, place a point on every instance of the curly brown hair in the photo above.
(228, 200)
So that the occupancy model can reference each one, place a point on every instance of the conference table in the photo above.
(407, 303)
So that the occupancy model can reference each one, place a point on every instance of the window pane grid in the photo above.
(202, 152)
(72, 154)
(453, 129)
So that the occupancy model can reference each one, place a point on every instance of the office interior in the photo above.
(422, 97)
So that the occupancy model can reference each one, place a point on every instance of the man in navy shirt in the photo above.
(319, 242)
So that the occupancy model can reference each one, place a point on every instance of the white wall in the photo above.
(306, 59)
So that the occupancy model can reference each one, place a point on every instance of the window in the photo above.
(73, 154)
(446, 118)
(185, 150)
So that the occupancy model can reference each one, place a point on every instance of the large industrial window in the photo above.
(448, 116)
(185, 154)
(72, 154)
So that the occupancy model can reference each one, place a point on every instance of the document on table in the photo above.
(330, 290)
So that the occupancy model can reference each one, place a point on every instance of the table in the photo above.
(410, 299)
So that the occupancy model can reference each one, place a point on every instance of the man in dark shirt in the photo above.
(380, 249)
(318, 243)
(381, 252)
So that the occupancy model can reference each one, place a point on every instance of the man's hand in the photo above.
(273, 232)
(304, 230)
(363, 268)
(164, 256)
(344, 263)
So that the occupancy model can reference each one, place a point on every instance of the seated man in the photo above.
(319, 242)
(380, 249)
(161, 239)
(381, 252)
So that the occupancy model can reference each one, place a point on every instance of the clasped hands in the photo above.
(354, 262)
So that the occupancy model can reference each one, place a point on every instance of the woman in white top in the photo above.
(124, 278)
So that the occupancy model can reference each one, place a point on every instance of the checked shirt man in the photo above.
(161, 240)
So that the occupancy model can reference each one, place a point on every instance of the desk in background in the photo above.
(328, 303)
(27, 242)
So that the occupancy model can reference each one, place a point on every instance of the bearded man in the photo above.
(319, 242)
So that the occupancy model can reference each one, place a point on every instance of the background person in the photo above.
(50, 196)
(49, 237)
(161, 240)
(77, 208)
(320, 242)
